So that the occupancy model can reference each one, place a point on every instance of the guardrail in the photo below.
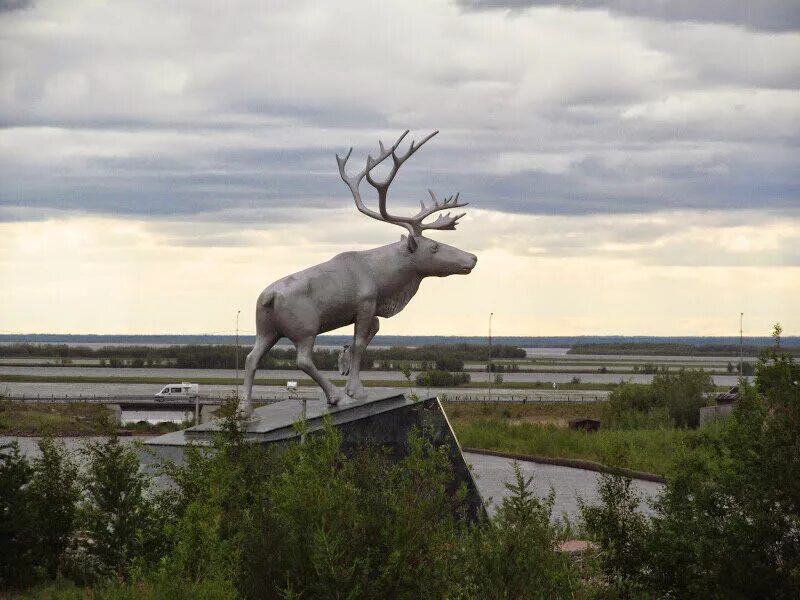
(54, 399)
(539, 398)
(577, 398)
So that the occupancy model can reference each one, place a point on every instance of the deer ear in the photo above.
(411, 243)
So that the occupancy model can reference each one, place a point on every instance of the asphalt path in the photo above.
(270, 392)
(176, 375)
(569, 484)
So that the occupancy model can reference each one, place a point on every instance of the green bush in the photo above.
(678, 394)
(513, 557)
(120, 524)
(449, 363)
(245, 520)
(310, 522)
(17, 537)
(54, 504)
(683, 393)
(621, 530)
(728, 522)
(441, 379)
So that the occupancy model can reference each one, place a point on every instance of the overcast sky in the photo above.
(631, 166)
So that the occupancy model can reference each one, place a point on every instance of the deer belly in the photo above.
(336, 297)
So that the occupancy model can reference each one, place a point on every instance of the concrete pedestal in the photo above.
(385, 418)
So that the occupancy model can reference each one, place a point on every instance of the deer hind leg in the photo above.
(305, 363)
(365, 330)
(263, 343)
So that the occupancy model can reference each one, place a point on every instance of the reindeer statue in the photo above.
(356, 287)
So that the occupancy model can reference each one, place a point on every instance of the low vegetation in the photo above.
(674, 398)
(307, 521)
(728, 522)
(75, 418)
(68, 419)
(671, 349)
(648, 424)
(444, 356)
(651, 451)
(245, 521)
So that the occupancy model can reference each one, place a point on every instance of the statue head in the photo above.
(429, 257)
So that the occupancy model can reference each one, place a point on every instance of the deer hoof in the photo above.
(244, 410)
(357, 392)
(334, 399)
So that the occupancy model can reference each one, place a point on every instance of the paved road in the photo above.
(492, 472)
(293, 374)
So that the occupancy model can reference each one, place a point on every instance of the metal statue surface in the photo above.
(356, 287)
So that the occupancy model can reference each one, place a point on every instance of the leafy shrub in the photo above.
(683, 393)
(621, 530)
(680, 393)
(513, 557)
(441, 379)
(728, 522)
(117, 518)
(449, 363)
(54, 503)
(17, 538)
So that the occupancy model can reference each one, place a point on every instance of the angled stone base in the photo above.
(385, 418)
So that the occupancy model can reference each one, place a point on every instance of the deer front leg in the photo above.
(366, 326)
(305, 363)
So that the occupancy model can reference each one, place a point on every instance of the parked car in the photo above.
(179, 391)
(732, 395)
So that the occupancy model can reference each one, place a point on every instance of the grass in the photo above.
(541, 430)
(651, 451)
(551, 412)
(69, 419)
(73, 418)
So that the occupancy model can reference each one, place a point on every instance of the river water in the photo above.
(490, 472)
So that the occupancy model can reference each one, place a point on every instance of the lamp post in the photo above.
(741, 346)
(237, 353)
(490, 356)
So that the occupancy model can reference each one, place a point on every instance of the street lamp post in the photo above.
(490, 356)
(237, 353)
(741, 346)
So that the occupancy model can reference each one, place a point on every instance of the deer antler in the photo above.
(414, 225)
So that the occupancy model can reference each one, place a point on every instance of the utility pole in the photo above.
(237, 353)
(741, 346)
(490, 357)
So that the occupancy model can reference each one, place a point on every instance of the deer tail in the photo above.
(268, 299)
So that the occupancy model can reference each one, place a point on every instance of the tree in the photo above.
(449, 363)
(734, 499)
(115, 512)
(621, 530)
(16, 521)
(683, 393)
(513, 556)
(54, 501)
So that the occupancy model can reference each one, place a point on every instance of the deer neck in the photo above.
(395, 277)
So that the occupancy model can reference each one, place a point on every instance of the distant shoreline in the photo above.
(391, 340)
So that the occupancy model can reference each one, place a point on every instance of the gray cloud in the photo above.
(572, 114)
(10, 5)
(768, 15)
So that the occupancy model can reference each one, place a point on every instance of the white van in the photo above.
(179, 391)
